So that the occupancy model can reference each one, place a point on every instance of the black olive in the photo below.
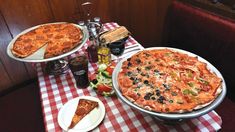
(161, 99)
(153, 98)
(142, 74)
(148, 67)
(94, 81)
(138, 94)
(158, 93)
(138, 61)
(129, 73)
(129, 59)
(147, 96)
(146, 82)
(138, 69)
(129, 64)
(132, 78)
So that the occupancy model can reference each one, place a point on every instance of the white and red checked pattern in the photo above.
(57, 90)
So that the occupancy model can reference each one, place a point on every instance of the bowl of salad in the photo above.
(101, 81)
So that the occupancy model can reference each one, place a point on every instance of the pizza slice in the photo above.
(84, 107)
(29, 43)
(64, 40)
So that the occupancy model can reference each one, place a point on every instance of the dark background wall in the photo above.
(144, 19)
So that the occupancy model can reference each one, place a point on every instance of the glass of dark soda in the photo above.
(79, 68)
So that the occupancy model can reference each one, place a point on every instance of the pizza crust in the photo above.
(208, 81)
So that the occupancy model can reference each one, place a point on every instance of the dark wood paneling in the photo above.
(5, 80)
(22, 14)
(143, 18)
(16, 70)
(66, 10)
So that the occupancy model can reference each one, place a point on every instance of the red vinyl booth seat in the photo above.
(205, 34)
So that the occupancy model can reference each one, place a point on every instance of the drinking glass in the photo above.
(79, 68)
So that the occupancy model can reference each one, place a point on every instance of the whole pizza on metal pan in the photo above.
(59, 38)
(168, 81)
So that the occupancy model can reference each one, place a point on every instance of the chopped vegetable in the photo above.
(101, 82)
(188, 91)
(102, 67)
(103, 88)
(171, 101)
(190, 84)
(106, 74)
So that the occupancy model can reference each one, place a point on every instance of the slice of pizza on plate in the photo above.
(84, 107)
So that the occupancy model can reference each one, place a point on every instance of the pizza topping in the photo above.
(146, 82)
(158, 93)
(168, 82)
(173, 93)
(161, 99)
(147, 96)
(138, 61)
(27, 40)
(43, 35)
(167, 87)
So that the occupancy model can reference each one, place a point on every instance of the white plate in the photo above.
(89, 122)
(39, 54)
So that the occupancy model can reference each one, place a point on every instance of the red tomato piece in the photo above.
(104, 88)
(109, 70)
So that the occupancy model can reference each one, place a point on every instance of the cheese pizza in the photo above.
(59, 38)
(84, 107)
(168, 81)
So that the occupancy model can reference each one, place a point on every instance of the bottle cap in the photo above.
(81, 23)
(97, 19)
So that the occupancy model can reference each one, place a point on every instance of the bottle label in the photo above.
(115, 50)
(79, 73)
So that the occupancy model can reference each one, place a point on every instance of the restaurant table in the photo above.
(57, 90)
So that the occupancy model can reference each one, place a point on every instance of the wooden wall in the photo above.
(144, 18)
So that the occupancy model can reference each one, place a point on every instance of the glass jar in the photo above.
(104, 55)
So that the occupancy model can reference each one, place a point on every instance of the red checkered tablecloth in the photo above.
(57, 90)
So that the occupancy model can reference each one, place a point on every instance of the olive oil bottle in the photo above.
(104, 55)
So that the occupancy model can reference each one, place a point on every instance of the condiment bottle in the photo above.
(92, 50)
(98, 24)
(104, 55)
